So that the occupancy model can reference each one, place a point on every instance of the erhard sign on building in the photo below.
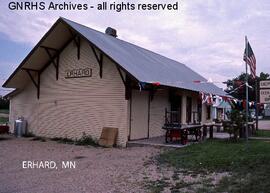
(265, 84)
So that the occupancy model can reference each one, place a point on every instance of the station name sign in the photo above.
(265, 91)
(265, 84)
(265, 96)
(79, 73)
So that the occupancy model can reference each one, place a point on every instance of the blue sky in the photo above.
(10, 53)
(206, 35)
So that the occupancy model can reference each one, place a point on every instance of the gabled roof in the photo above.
(144, 65)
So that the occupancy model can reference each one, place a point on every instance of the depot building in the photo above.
(78, 80)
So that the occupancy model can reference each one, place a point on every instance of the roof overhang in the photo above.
(12, 93)
(58, 35)
(56, 39)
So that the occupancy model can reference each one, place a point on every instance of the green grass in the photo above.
(248, 163)
(262, 133)
(156, 186)
(180, 185)
(3, 120)
(85, 140)
(5, 111)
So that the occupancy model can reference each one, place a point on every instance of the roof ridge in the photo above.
(118, 39)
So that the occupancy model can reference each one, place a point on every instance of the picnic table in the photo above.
(232, 127)
(210, 127)
(251, 126)
(251, 129)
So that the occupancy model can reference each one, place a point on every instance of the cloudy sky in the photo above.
(206, 35)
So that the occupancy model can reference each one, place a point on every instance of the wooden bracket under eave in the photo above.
(152, 94)
(36, 83)
(77, 41)
(52, 60)
(128, 88)
(127, 83)
(99, 60)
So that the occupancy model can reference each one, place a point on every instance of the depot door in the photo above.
(139, 114)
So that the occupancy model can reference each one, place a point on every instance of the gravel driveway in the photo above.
(97, 169)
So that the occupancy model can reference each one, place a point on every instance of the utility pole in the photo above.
(257, 108)
(246, 91)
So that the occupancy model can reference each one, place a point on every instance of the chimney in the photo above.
(112, 32)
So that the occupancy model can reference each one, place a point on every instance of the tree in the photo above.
(4, 103)
(237, 119)
(236, 86)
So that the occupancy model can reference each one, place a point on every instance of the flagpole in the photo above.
(246, 90)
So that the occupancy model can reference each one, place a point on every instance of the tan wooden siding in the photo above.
(69, 107)
(157, 113)
(11, 116)
(204, 114)
(24, 104)
(139, 114)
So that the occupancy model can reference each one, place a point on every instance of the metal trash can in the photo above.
(20, 127)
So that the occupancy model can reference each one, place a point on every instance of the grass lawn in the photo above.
(248, 164)
(3, 120)
(262, 133)
(6, 111)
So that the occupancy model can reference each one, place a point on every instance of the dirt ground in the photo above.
(97, 169)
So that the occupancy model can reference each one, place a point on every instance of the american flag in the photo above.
(250, 59)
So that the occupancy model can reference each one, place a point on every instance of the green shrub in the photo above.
(237, 119)
(38, 138)
(64, 140)
(3, 120)
(86, 140)
(83, 141)
(28, 134)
